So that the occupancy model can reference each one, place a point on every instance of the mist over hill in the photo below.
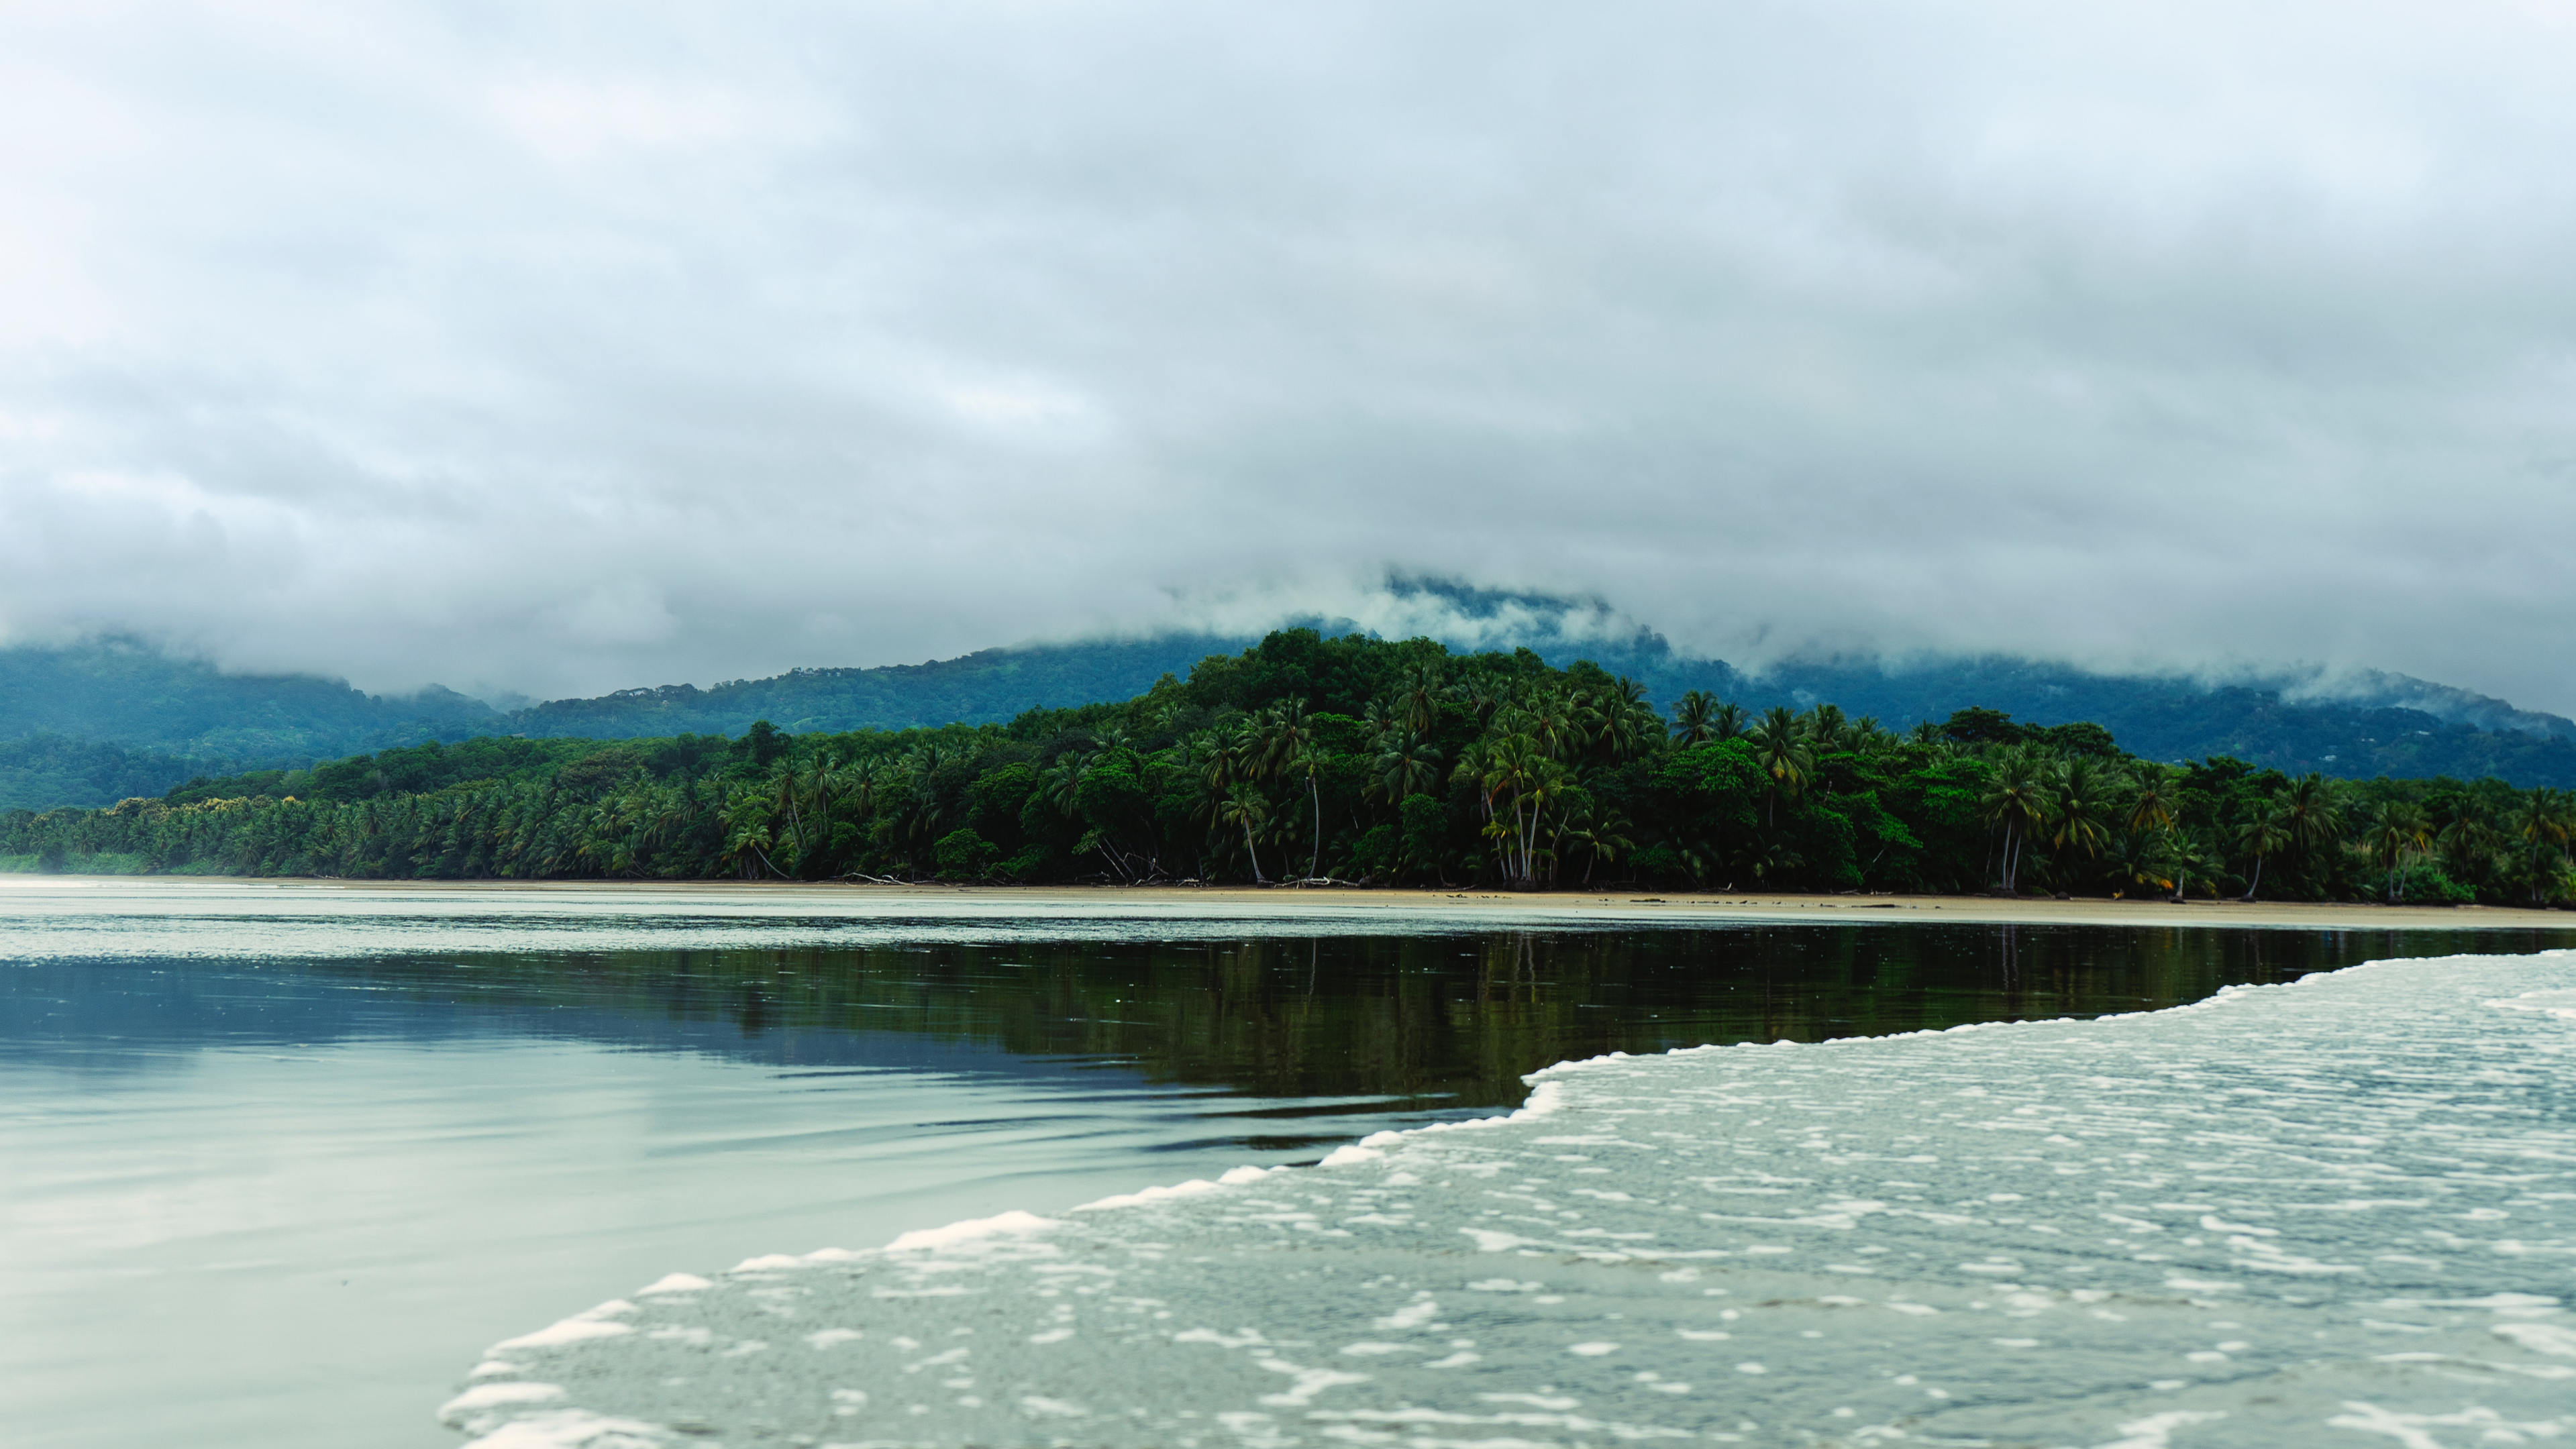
(92, 723)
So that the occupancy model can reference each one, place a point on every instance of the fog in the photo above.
(561, 348)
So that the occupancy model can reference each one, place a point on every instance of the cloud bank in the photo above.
(565, 347)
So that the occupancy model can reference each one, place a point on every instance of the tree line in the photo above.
(1360, 760)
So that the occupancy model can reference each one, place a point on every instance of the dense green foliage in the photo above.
(128, 695)
(124, 692)
(1361, 759)
(44, 770)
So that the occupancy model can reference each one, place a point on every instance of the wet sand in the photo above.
(1343, 901)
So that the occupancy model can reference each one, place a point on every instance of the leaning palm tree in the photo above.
(1244, 807)
(2264, 833)
(2192, 862)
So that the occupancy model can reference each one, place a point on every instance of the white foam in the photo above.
(581, 1327)
(1010, 1224)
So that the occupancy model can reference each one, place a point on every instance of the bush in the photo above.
(965, 855)
(2422, 883)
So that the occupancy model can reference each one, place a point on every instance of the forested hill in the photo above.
(990, 686)
(95, 723)
(1361, 760)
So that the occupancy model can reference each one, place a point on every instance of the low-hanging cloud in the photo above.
(564, 347)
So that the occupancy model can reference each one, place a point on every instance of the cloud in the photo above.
(564, 348)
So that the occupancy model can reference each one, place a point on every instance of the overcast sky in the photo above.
(562, 348)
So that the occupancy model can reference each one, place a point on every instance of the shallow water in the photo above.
(277, 1163)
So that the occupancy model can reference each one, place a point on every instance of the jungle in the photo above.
(1357, 760)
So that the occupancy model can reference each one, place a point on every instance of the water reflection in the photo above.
(1416, 1021)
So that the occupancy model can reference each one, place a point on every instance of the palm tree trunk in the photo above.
(1315, 860)
(1255, 852)
(2256, 883)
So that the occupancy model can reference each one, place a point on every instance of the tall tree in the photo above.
(1780, 747)
(2017, 798)
(2265, 831)
(2397, 830)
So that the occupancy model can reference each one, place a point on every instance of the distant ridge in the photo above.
(92, 723)
(989, 686)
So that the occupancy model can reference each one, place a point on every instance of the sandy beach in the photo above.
(1292, 901)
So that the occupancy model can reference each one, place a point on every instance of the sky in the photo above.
(560, 348)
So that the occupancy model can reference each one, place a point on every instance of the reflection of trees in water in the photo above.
(1459, 1016)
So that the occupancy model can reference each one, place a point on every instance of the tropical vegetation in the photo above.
(1355, 759)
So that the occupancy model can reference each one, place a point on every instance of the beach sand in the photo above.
(1535, 906)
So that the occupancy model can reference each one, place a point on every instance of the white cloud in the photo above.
(567, 348)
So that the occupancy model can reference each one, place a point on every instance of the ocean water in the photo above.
(2340, 1211)
(276, 1163)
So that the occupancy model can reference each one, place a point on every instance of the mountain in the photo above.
(92, 723)
(125, 692)
(986, 687)
(41, 771)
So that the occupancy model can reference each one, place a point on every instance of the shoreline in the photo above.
(1340, 901)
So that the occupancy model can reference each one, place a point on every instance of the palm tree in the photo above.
(1244, 806)
(2468, 840)
(1418, 695)
(2312, 811)
(1061, 785)
(2142, 858)
(2158, 797)
(2264, 831)
(1727, 723)
(2081, 791)
(1827, 730)
(1767, 857)
(1626, 719)
(2544, 818)
(2193, 863)
(2397, 830)
(1781, 750)
(1516, 771)
(2541, 819)
(1288, 748)
(1407, 764)
(2016, 797)
(1695, 718)
(1487, 696)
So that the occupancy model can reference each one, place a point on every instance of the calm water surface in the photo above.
(271, 1176)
